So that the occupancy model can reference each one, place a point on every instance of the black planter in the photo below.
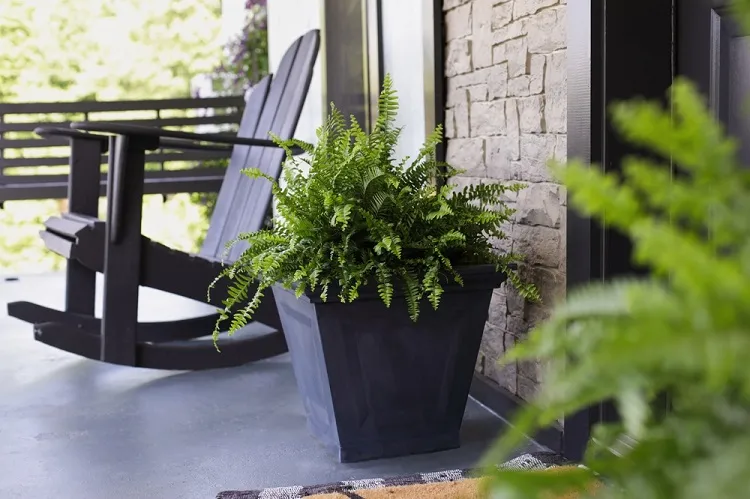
(374, 383)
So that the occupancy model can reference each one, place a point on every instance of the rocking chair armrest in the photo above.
(53, 131)
(182, 144)
(146, 131)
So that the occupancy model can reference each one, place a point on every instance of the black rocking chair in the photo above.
(127, 259)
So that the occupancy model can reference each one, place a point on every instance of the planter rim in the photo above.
(479, 276)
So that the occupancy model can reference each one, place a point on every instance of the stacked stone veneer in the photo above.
(505, 118)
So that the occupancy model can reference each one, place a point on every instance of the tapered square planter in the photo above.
(376, 384)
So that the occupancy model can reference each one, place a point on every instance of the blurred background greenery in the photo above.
(69, 50)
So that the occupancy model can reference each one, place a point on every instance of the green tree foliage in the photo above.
(354, 214)
(67, 50)
(105, 49)
(683, 331)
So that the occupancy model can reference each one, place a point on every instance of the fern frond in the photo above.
(355, 213)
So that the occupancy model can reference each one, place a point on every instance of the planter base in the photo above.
(380, 449)
(374, 383)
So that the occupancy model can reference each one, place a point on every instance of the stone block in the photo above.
(502, 15)
(531, 113)
(458, 22)
(530, 369)
(450, 124)
(503, 245)
(536, 69)
(539, 245)
(527, 389)
(517, 325)
(461, 114)
(504, 375)
(497, 84)
(516, 305)
(561, 147)
(453, 92)
(467, 154)
(551, 285)
(515, 29)
(452, 4)
(477, 93)
(523, 8)
(479, 366)
(458, 58)
(497, 311)
(519, 86)
(540, 204)
(500, 155)
(536, 151)
(476, 77)
(547, 31)
(517, 51)
(481, 19)
(487, 118)
(556, 80)
(492, 345)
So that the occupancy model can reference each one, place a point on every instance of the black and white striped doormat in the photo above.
(533, 461)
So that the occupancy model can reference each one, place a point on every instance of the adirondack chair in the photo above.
(127, 259)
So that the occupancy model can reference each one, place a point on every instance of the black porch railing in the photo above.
(32, 167)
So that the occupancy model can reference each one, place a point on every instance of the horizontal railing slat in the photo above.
(158, 157)
(33, 143)
(125, 105)
(13, 180)
(220, 119)
(59, 190)
(17, 143)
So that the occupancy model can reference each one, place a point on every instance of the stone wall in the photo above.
(505, 117)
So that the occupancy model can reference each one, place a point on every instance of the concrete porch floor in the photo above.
(80, 429)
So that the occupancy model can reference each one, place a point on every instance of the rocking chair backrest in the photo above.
(274, 105)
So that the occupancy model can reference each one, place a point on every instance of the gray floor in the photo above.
(74, 428)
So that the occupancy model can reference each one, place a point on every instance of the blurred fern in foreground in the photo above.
(684, 330)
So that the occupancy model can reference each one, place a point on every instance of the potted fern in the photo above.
(383, 281)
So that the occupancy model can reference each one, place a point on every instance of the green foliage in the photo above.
(350, 213)
(246, 55)
(67, 50)
(683, 331)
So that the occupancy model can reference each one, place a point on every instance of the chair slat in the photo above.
(298, 82)
(243, 203)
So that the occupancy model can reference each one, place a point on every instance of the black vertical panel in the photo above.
(352, 57)
(345, 66)
(618, 49)
(373, 58)
(433, 37)
(714, 52)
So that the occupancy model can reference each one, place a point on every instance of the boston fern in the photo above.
(349, 213)
(680, 335)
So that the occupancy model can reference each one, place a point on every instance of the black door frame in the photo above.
(617, 49)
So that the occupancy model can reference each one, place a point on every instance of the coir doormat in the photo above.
(435, 485)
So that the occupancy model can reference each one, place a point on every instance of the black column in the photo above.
(617, 49)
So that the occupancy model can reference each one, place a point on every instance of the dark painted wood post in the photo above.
(122, 254)
(617, 49)
(83, 198)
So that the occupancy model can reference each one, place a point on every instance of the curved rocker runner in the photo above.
(116, 248)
